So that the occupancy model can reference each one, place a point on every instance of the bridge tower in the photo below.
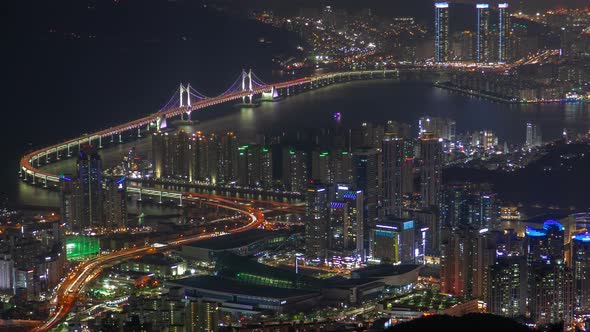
(247, 85)
(189, 108)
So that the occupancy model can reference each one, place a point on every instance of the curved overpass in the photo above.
(31, 162)
(68, 290)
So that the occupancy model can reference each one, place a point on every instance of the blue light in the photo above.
(337, 205)
(584, 237)
(535, 232)
(121, 180)
(409, 224)
(552, 223)
(63, 177)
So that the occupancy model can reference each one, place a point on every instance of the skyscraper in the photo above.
(581, 270)
(115, 202)
(508, 287)
(504, 28)
(393, 241)
(228, 158)
(295, 172)
(533, 135)
(393, 162)
(483, 32)
(255, 166)
(346, 221)
(441, 28)
(88, 198)
(431, 169)
(316, 221)
(366, 170)
(551, 297)
(466, 255)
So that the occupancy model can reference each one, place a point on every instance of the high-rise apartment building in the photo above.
(581, 270)
(504, 29)
(507, 294)
(295, 172)
(431, 169)
(316, 221)
(441, 32)
(482, 51)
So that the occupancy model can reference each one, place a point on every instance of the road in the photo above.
(68, 290)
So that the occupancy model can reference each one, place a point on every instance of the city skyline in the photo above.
(332, 166)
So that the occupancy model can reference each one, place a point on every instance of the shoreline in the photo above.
(500, 99)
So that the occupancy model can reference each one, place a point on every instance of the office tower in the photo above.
(508, 287)
(295, 172)
(316, 221)
(228, 158)
(482, 51)
(533, 135)
(581, 270)
(115, 202)
(440, 127)
(337, 227)
(353, 231)
(504, 28)
(551, 297)
(441, 31)
(87, 198)
(255, 166)
(200, 155)
(7, 275)
(431, 169)
(366, 170)
(202, 316)
(392, 241)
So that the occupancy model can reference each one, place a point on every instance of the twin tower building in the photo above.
(491, 41)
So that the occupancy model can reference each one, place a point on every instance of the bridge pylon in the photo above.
(247, 85)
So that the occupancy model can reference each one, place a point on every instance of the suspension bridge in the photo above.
(184, 101)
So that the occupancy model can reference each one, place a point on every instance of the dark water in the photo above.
(57, 86)
(376, 101)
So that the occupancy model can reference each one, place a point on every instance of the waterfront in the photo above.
(371, 101)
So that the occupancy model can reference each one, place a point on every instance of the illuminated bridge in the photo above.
(184, 101)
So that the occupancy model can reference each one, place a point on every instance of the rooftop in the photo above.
(235, 240)
(226, 285)
(386, 269)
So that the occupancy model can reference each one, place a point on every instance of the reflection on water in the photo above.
(377, 101)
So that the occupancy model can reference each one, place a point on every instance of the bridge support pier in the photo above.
(139, 132)
(180, 201)
(120, 139)
(47, 158)
(33, 178)
(139, 199)
(160, 201)
(45, 182)
(112, 138)
(69, 152)
(100, 142)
